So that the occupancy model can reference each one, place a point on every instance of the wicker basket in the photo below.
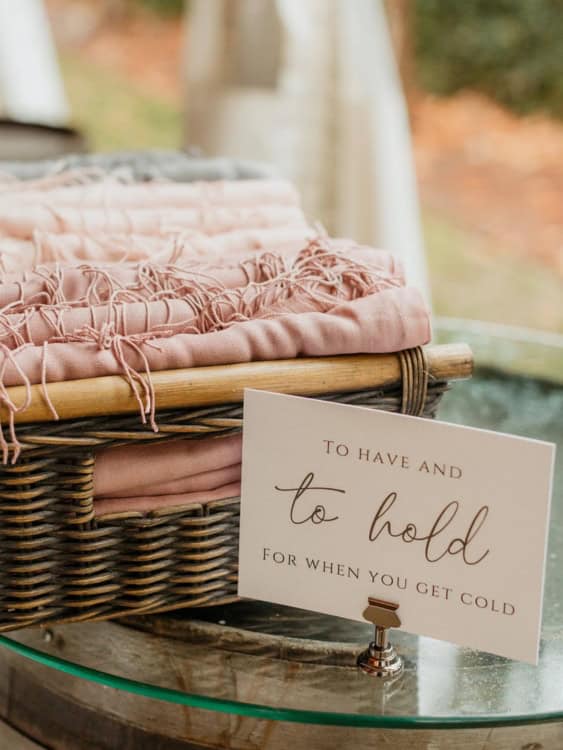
(58, 562)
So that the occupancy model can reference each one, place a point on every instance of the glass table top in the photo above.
(274, 662)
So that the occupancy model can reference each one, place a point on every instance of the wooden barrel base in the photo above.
(264, 629)
(57, 711)
(13, 740)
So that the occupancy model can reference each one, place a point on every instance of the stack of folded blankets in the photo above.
(106, 276)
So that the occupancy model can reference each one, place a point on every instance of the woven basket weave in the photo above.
(58, 562)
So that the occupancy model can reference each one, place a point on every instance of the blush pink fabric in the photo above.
(17, 220)
(155, 194)
(86, 216)
(263, 284)
(119, 470)
(148, 477)
(203, 480)
(91, 285)
(154, 208)
(136, 279)
(106, 506)
(47, 247)
(388, 321)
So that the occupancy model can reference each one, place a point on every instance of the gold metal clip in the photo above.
(380, 658)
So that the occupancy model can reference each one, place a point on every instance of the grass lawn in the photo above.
(469, 282)
(115, 114)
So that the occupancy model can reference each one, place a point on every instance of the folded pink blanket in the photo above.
(389, 321)
(83, 216)
(199, 482)
(214, 275)
(159, 194)
(187, 245)
(18, 220)
(87, 285)
(193, 299)
(323, 303)
(148, 477)
(105, 506)
(130, 469)
(84, 285)
(155, 208)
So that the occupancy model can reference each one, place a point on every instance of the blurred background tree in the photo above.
(163, 7)
(511, 50)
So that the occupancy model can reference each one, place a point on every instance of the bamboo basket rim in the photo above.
(220, 384)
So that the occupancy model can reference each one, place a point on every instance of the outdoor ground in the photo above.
(491, 183)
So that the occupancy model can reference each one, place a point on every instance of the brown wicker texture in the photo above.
(60, 563)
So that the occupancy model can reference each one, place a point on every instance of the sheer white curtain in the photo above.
(312, 86)
(31, 87)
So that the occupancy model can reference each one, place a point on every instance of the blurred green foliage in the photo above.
(163, 7)
(116, 114)
(509, 49)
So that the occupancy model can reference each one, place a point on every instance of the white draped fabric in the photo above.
(311, 86)
(31, 87)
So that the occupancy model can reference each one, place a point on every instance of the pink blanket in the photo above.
(216, 275)
(322, 304)
(194, 299)
(188, 245)
(103, 220)
(101, 194)
(149, 477)
(389, 320)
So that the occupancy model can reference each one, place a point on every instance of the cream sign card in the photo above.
(340, 503)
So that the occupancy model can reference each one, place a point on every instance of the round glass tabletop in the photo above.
(273, 662)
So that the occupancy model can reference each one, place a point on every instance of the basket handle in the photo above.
(414, 375)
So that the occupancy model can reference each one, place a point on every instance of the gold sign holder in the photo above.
(381, 659)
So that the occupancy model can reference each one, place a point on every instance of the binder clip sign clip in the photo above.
(381, 659)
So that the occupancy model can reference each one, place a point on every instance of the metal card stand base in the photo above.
(381, 659)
